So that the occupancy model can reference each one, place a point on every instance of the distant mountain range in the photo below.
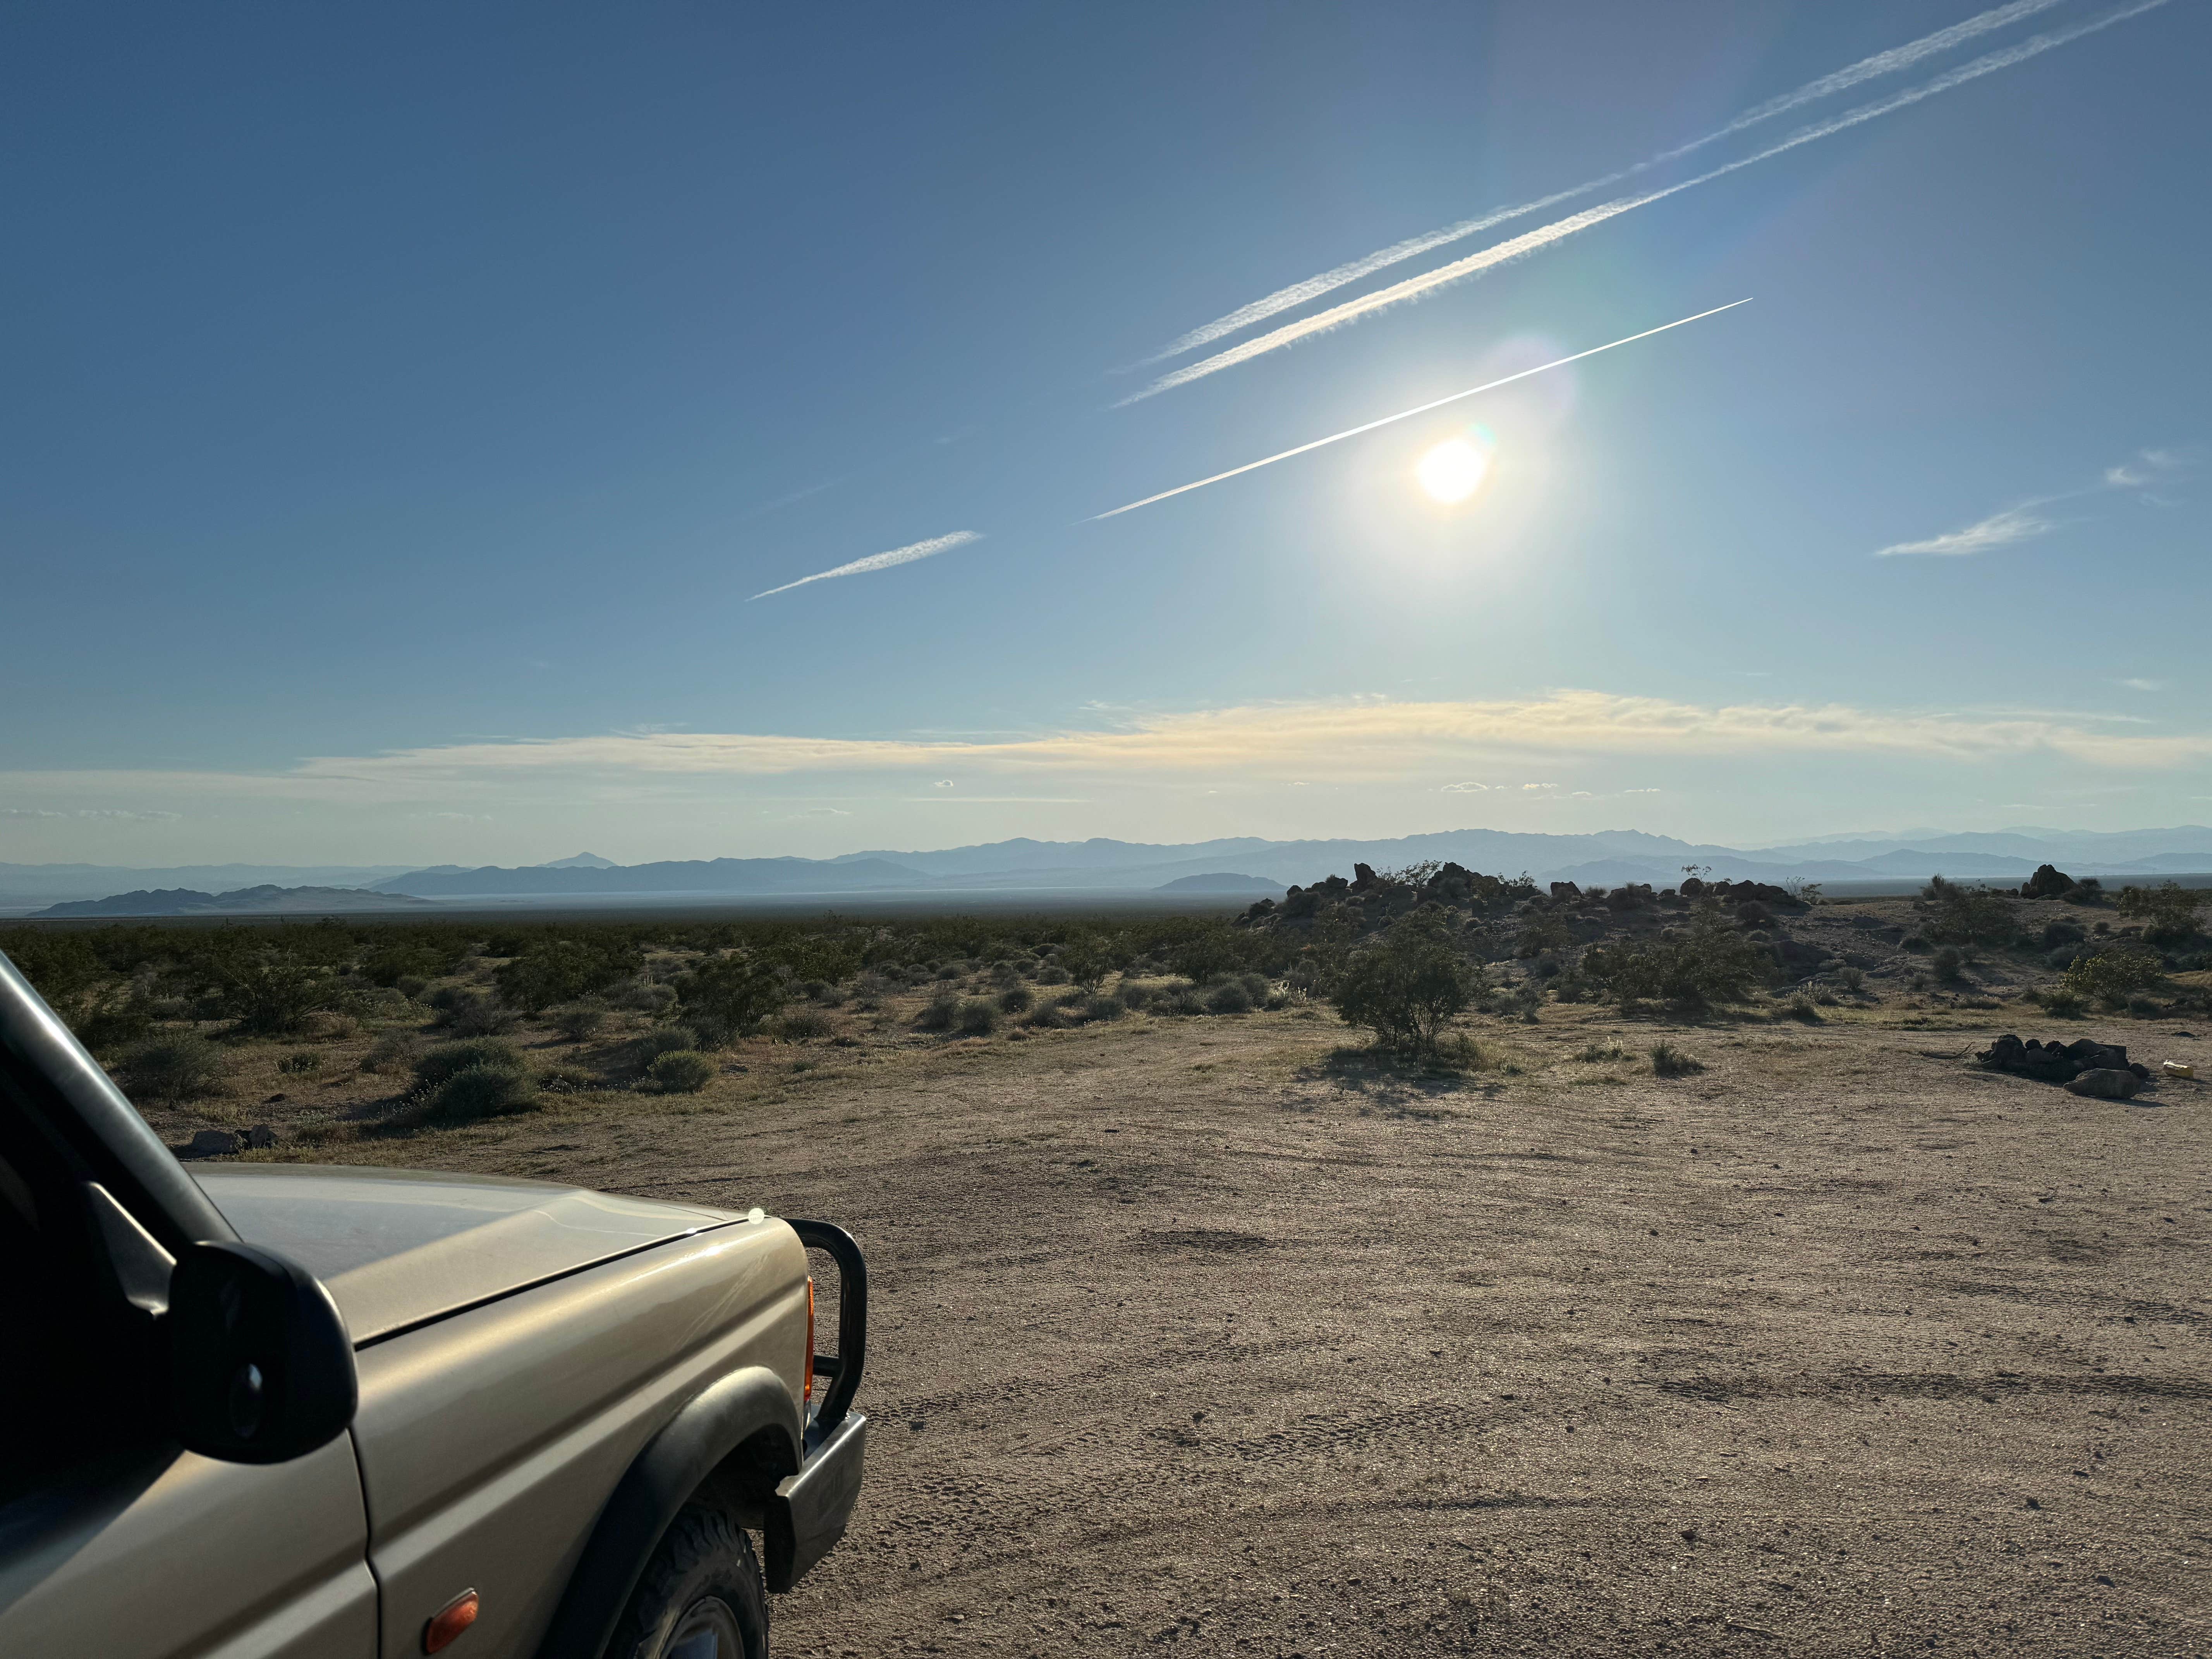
(249, 901)
(1010, 868)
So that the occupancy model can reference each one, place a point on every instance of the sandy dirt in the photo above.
(1207, 1332)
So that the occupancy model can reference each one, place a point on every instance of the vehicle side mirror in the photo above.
(260, 1362)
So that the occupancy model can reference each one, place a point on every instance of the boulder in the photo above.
(260, 1136)
(1566, 889)
(213, 1143)
(2047, 882)
(1363, 876)
(2105, 1084)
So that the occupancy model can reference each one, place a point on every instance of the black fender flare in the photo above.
(675, 1464)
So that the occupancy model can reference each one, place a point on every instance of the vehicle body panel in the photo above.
(165, 1551)
(489, 1440)
(396, 1247)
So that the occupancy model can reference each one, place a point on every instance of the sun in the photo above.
(1453, 471)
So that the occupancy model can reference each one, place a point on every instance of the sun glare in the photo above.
(1453, 471)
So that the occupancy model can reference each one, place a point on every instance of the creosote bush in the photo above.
(1706, 964)
(977, 1017)
(680, 1072)
(2112, 976)
(436, 1065)
(482, 1091)
(803, 1026)
(174, 1068)
(1407, 984)
(1667, 1060)
(1016, 999)
(579, 1020)
(2168, 911)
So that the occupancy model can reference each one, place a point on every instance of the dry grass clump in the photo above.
(1667, 1060)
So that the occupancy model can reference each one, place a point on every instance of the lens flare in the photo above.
(1453, 471)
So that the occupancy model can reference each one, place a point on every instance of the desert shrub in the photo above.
(1851, 979)
(1180, 997)
(737, 993)
(1596, 1052)
(940, 1013)
(976, 1017)
(1707, 963)
(394, 1051)
(1015, 999)
(174, 1068)
(435, 1066)
(1950, 965)
(481, 1017)
(2059, 931)
(2064, 1003)
(567, 1080)
(1667, 1060)
(647, 996)
(2168, 911)
(680, 1072)
(273, 996)
(1230, 997)
(411, 986)
(1407, 984)
(1103, 1007)
(1052, 1017)
(563, 967)
(2110, 977)
(1132, 994)
(108, 1023)
(301, 1062)
(579, 1019)
(803, 1026)
(1799, 1007)
(1952, 914)
(480, 1090)
(1053, 974)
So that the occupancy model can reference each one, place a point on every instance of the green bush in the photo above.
(1407, 984)
(273, 996)
(1966, 916)
(482, 1091)
(301, 1062)
(1950, 965)
(175, 1068)
(563, 967)
(1103, 1007)
(2112, 976)
(437, 1066)
(1708, 965)
(579, 1020)
(1230, 997)
(1016, 1000)
(2168, 911)
(939, 1013)
(732, 990)
(1667, 1060)
(393, 1051)
(680, 1072)
(977, 1017)
(803, 1026)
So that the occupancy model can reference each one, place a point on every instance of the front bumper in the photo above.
(810, 1510)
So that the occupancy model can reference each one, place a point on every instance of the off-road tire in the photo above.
(701, 1555)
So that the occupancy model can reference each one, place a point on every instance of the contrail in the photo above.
(906, 554)
(1528, 242)
(1891, 62)
(1407, 414)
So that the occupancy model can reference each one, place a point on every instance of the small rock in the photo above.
(260, 1136)
(2105, 1084)
(272, 1100)
(212, 1143)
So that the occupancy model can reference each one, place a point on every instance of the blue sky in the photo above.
(403, 406)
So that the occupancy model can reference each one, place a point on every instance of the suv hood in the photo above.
(400, 1247)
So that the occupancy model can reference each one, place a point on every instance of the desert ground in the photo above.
(1225, 1333)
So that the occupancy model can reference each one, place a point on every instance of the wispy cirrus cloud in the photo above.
(2014, 523)
(2027, 520)
(897, 555)
(1518, 247)
(1894, 61)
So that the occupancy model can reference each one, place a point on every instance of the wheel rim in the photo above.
(707, 1630)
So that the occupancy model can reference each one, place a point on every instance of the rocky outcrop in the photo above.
(2057, 1062)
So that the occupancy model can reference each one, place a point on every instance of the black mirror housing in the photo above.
(261, 1364)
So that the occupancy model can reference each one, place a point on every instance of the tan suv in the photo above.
(336, 1414)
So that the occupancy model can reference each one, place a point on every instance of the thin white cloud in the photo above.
(2143, 685)
(1891, 62)
(2026, 521)
(1518, 247)
(2014, 523)
(906, 554)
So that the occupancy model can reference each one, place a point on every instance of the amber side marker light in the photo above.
(449, 1621)
(807, 1397)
